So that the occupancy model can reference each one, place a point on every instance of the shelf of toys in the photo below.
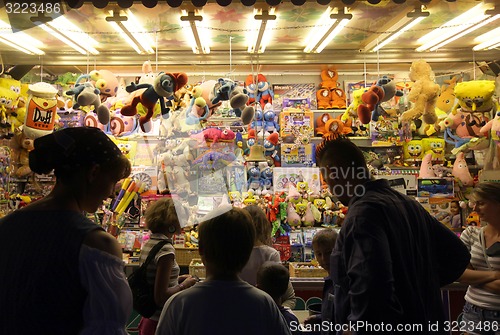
(222, 141)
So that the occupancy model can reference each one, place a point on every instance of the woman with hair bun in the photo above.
(60, 273)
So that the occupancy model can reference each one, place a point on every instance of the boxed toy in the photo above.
(296, 120)
(303, 155)
(293, 93)
(284, 176)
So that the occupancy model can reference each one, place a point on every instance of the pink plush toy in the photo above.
(426, 170)
(461, 170)
(293, 218)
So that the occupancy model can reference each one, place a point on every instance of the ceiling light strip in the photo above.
(465, 32)
(453, 27)
(395, 35)
(29, 51)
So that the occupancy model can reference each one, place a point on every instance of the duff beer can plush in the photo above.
(41, 110)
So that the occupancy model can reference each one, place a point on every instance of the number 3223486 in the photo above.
(32, 8)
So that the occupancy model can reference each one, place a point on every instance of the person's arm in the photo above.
(288, 299)
(101, 240)
(492, 286)
(477, 277)
(163, 271)
(452, 254)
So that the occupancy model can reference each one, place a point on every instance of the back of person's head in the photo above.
(273, 278)
(339, 151)
(261, 223)
(161, 216)
(69, 150)
(325, 238)
(486, 191)
(226, 240)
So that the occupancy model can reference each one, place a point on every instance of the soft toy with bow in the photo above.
(165, 85)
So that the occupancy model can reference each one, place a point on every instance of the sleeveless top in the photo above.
(40, 286)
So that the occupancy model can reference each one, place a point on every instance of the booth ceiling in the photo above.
(229, 24)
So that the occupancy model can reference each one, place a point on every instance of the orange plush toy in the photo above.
(370, 98)
(320, 123)
(323, 98)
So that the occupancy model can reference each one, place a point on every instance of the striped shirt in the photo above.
(167, 249)
(480, 261)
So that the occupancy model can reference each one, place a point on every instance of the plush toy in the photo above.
(323, 98)
(198, 108)
(426, 170)
(266, 180)
(270, 124)
(41, 110)
(446, 100)
(333, 126)
(475, 105)
(148, 76)
(461, 171)
(106, 82)
(293, 218)
(370, 99)
(271, 149)
(329, 78)
(121, 125)
(253, 179)
(337, 98)
(265, 94)
(87, 95)
(238, 101)
(251, 88)
(434, 146)
(423, 94)
(214, 135)
(20, 146)
(352, 109)
(389, 87)
(413, 151)
(164, 86)
(320, 124)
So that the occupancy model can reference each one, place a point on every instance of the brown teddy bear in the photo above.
(20, 147)
(424, 93)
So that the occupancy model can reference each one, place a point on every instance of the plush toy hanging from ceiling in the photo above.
(266, 93)
(164, 86)
(86, 94)
(389, 87)
(251, 88)
(423, 94)
(106, 82)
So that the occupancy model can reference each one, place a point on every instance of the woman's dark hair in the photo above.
(226, 240)
(69, 149)
(262, 225)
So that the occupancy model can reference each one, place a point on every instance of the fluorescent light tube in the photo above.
(453, 27)
(320, 36)
(20, 40)
(488, 40)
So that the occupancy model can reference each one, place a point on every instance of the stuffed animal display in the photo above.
(165, 85)
(330, 95)
(423, 94)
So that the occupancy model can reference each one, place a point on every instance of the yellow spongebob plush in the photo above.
(434, 146)
(413, 151)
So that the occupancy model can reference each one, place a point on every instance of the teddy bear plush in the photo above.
(20, 146)
(423, 94)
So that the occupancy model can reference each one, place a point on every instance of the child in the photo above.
(322, 244)
(456, 217)
(273, 278)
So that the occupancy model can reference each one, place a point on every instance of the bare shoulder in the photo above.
(101, 240)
